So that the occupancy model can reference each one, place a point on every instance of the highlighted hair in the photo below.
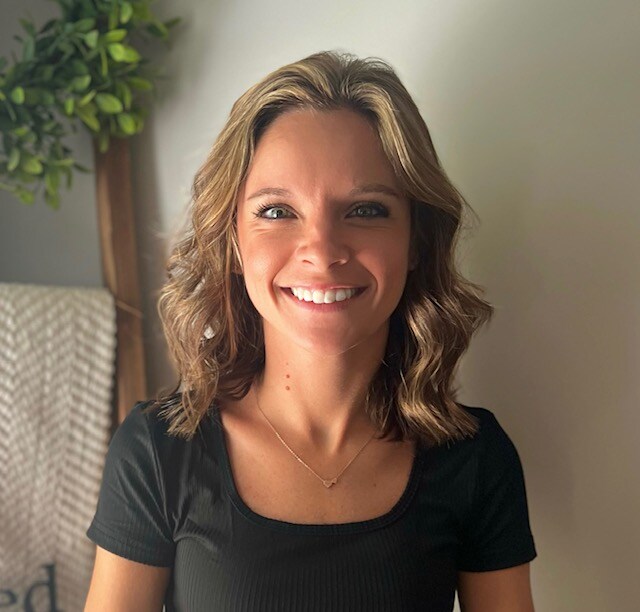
(215, 334)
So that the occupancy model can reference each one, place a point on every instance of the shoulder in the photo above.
(484, 416)
(487, 455)
(140, 433)
(149, 418)
(144, 436)
(490, 431)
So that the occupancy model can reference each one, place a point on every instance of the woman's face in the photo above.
(323, 232)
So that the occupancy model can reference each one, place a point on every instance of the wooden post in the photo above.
(120, 271)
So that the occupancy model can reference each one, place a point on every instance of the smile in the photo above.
(318, 296)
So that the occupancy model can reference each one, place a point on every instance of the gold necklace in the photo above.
(327, 482)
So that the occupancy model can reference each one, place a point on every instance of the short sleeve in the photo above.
(498, 533)
(131, 516)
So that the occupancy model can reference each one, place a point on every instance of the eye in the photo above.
(370, 209)
(271, 211)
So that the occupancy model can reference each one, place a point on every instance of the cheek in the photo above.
(390, 255)
(261, 261)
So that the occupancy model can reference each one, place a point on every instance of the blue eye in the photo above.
(373, 210)
(279, 211)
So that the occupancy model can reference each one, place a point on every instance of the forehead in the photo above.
(319, 151)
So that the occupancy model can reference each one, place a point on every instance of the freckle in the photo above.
(288, 388)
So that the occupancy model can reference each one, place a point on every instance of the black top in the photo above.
(165, 501)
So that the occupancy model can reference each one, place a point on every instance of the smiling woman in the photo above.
(316, 318)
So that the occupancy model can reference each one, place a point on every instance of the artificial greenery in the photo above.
(82, 68)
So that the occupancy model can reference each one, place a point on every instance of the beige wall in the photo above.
(533, 107)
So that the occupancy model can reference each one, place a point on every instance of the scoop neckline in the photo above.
(313, 528)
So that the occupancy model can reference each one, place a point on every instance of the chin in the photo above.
(324, 345)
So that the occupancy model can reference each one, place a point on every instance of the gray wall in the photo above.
(533, 107)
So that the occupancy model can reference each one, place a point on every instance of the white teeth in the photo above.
(322, 297)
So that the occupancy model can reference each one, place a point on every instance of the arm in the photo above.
(120, 585)
(507, 590)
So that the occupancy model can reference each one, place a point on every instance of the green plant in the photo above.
(82, 68)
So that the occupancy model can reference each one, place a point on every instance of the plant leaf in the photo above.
(81, 83)
(104, 64)
(69, 105)
(50, 126)
(113, 17)
(126, 12)
(26, 196)
(79, 67)
(62, 163)
(127, 123)
(123, 91)
(170, 23)
(52, 199)
(14, 159)
(17, 95)
(21, 131)
(140, 83)
(46, 72)
(84, 25)
(157, 28)
(116, 51)
(131, 56)
(91, 39)
(89, 118)
(31, 165)
(123, 53)
(28, 26)
(87, 98)
(29, 49)
(51, 181)
(114, 36)
(47, 26)
(108, 103)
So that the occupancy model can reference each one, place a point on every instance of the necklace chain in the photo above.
(327, 482)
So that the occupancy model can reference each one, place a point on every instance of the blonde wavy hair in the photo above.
(214, 333)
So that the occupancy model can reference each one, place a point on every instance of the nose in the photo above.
(322, 244)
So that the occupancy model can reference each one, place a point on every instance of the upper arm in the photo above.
(125, 586)
(506, 590)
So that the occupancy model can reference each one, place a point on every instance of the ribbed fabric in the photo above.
(168, 502)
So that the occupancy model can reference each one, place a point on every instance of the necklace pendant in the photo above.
(329, 483)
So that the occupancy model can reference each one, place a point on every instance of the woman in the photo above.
(313, 456)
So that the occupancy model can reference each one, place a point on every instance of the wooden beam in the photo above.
(120, 271)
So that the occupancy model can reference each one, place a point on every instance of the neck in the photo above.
(319, 400)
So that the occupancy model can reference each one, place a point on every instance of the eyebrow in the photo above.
(360, 190)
